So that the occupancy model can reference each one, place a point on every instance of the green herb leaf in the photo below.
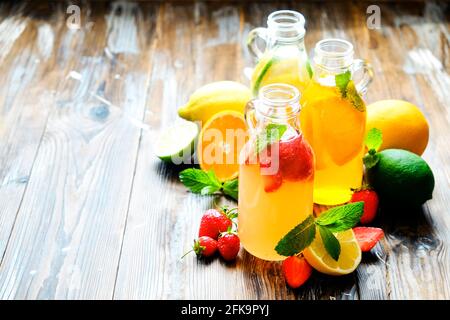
(199, 181)
(230, 188)
(341, 218)
(271, 134)
(354, 97)
(342, 81)
(370, 160)
(374, 139)
(297, 239)
(330, 242)
(309, 69)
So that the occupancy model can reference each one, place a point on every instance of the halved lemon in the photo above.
(348, 261)
(220, 142)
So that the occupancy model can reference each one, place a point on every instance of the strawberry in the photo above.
(296, 271)
(229, 245)
(203, 247)
(370, 199)
(213, 222)
(296, 159)
(367, 237)
(272, 182)
(271, 176)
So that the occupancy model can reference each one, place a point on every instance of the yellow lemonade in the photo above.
(280, 68)
(335, 129)
(284, 59)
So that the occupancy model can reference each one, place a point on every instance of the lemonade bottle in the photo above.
(333, 120)
(284, 59)
(276, 173)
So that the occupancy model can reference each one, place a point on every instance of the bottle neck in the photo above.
(332, 57)
(286, 27)
(278, 103)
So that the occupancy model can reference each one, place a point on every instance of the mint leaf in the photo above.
(298, 238)
(199, 181)
(354, 97)
(205, 183)
(371, 160)
(374, 139)
(309, 69)
(342, 82)
(341, 218)
(272, 133)
(330, 242)
(230, 188)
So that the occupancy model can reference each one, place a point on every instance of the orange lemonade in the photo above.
(276, 180)
(335, 130)
(333, 120)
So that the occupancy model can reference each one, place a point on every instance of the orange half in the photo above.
(220, 142)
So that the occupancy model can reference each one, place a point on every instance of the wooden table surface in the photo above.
(88, 212)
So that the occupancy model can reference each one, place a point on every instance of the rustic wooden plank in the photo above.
(161, 225)
(26, 90)
(67, 238)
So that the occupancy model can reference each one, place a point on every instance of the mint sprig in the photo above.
(298, 238)
(373, 142)
(348, 90)
(342, 81)
(341, 218)
(336, 219)
(272, 133)
(207, 183)
(330, 242)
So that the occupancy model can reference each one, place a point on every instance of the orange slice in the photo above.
(220, 142)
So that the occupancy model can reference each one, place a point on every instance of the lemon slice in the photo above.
(348, 261)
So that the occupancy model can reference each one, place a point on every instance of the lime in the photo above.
(401, 177)
(177, 142)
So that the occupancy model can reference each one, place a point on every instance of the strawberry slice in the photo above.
(296, 159)
(367, 237)
(272, 182)
(271, 176)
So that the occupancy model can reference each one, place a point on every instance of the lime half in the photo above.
(177, 143)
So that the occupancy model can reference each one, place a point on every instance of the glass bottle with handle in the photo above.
(333, 119)
(276, 173)
(284, 58)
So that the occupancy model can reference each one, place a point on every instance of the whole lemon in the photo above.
(403, 125)
(213, 98)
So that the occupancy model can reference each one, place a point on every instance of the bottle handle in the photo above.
(367, 78)
(251, 41)
(249, 115)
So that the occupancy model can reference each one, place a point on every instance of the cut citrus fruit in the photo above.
(220, 142)
(177, 142)
(348, 261)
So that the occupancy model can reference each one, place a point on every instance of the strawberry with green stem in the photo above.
(213, 221)
(229, 245)
(203, 247)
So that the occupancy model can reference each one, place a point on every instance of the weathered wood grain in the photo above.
(87, 210)
(70, 224)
